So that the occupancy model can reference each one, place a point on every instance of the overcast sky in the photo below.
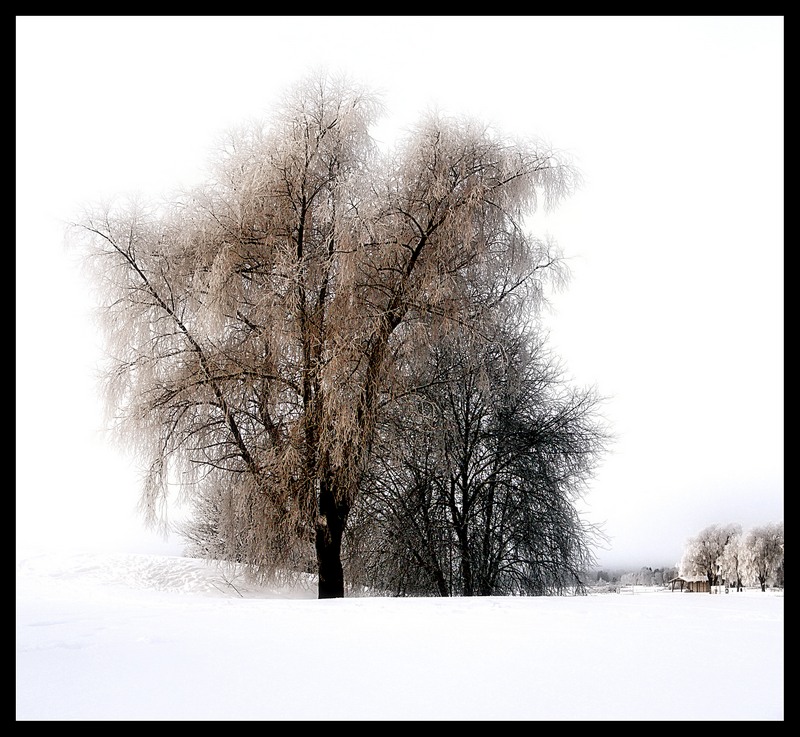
(675, 310)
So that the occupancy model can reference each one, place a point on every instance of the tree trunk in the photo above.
(441, 583)
(466, 562)
(330, 528)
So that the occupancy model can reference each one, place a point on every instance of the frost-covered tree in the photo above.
(703, 553)
(661, 576)
(645, 576)
(732, 561)
(257, 325)
(763, 554)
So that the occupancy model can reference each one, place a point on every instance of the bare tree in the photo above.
(475, 475)
(763, 553)
(256, 324)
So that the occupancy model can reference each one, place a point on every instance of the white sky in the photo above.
(150, 637)
(675, 310)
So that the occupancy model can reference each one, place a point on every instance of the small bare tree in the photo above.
(256, 324)
(476, 473)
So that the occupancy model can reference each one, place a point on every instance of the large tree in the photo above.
(255, 324)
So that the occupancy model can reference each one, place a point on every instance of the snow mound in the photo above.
(149, 572)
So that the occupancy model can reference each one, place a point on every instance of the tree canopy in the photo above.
(261, 326)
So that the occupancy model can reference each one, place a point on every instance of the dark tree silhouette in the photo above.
(475, 476)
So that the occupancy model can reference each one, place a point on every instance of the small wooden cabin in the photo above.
(692, 584)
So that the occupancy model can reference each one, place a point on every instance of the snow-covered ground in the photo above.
(103, 636)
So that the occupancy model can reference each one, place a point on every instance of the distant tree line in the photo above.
(725, 556)
(644, 576)
(647, 576)
(721, 554)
